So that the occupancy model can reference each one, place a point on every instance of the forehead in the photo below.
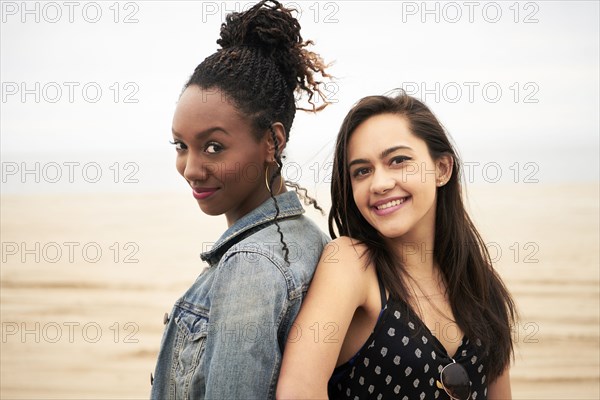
(382, 132)
(199, 109)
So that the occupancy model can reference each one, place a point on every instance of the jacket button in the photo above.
(151, 379)
(166, 318)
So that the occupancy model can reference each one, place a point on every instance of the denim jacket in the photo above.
(224, 338)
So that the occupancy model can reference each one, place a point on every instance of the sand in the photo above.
(78, 323)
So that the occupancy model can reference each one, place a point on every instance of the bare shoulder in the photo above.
(344, 256)
(346, 250)
(340, 284)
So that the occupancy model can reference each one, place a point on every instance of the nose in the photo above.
(192, 168)
(382, 182)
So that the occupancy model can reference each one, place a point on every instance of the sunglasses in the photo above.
(454, 379)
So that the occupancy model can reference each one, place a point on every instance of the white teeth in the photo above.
(389, 204)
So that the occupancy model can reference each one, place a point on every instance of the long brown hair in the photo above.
(481, 304)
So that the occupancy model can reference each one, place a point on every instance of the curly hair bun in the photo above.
(274, 32)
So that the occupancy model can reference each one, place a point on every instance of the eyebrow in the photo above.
(202, 134)
(383, 154)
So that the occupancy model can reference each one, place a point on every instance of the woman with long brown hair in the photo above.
(409, 306)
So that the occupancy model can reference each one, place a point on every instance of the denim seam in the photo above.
(287, 276)
(177, 350)
(282, 319)
(224, 241)
(193, 308)
(282, 215)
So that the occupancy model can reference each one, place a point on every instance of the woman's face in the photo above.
(394, 179)
(218, 154)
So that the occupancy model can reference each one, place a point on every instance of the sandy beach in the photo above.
(86, 279)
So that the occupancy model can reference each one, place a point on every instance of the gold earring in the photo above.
(267, 179)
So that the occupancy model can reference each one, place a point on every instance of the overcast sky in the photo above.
(515, 83)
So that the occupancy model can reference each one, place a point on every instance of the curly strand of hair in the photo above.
(313, 62)
(286, 250)
(303, 193)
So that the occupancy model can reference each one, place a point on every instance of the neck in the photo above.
(279, 186)
(416, 254)
(233, 215)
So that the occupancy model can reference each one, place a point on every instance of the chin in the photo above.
(392, 234)
(402, 234)
(210, 211)
(390, 230)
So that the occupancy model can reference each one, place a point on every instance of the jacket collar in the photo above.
(260, 217)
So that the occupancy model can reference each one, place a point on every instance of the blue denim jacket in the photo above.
(225, 336)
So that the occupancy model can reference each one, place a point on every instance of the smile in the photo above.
(389, 206)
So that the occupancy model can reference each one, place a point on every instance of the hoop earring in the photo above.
(267, 179)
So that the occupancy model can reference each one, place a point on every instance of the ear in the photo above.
(443, 169)
(279, 130)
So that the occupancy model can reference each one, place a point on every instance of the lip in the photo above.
(389, 210)
(203, 193)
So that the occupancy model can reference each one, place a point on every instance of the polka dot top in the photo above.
(402, 359)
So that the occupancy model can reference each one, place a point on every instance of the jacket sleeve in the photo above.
(249, 301)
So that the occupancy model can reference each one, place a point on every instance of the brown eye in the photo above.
(213, 148)
(399, 160)
(179, 146)
(360, 172)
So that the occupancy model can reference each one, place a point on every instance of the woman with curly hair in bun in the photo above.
(224, 337)
(411, 305)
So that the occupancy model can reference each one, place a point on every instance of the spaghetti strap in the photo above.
(381, 291)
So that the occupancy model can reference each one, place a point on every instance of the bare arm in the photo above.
(500, 388)
(336, 291)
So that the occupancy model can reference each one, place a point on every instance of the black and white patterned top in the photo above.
(402, 359)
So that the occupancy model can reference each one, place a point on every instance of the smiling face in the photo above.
(219, 155)
(394, 179)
